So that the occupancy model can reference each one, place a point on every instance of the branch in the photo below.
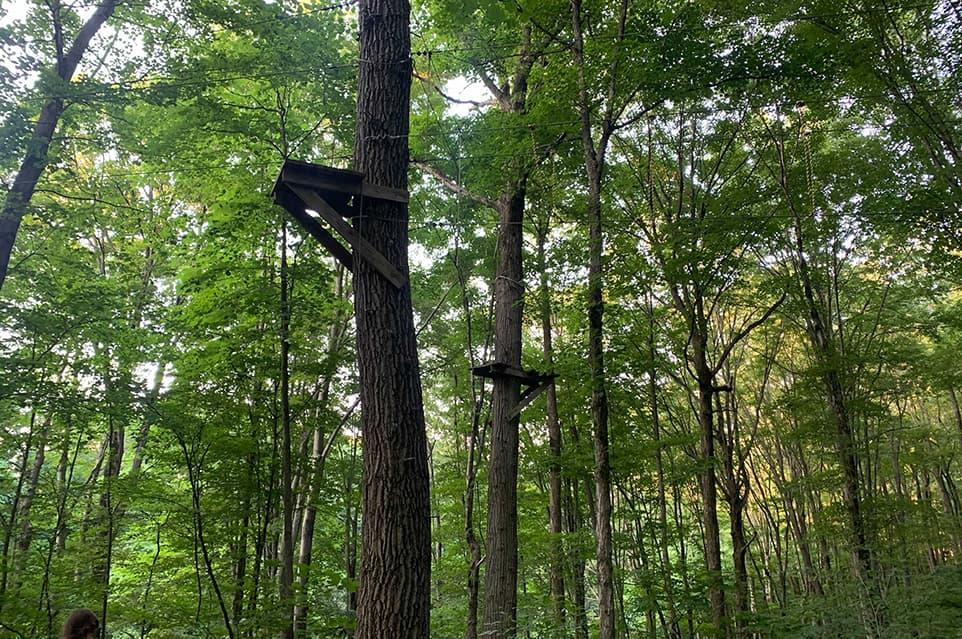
(742, 334)
(84, 36)
(450, 98)
(548, 150)
(454, 186)
(500, 95)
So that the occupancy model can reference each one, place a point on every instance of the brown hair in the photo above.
(81, 624)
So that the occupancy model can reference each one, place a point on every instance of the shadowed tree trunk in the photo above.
(821, 336)
(501, 558)
(595, 153)
(285, 577)
(500, 600)
(394, 591)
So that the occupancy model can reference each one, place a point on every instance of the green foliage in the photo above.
(144, 301)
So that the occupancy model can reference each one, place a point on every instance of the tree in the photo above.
(510, 83)
(595, 154)
(67, 59)
(394, 589)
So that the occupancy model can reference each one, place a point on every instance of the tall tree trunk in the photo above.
(33, 482)
(594, 158)
(314, 474)
(350, 534)
(501, 559)
(956, 410)
(285, 580)
(108, 506)
(501, 549)
(674, 629)
(736, 491)
(194, 460)
(20, 507)
(829, 363)
(394, 592)
(475, 452)
(578, 587)
(35, 160)
(707, 476)
(241, 554)
(471, 538)
(554, 442)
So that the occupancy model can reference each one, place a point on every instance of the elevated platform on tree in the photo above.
(535, 381)
(333, 195)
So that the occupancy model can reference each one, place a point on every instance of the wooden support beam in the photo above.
(384, 192)
(536, 382)
(295, 206)
(362, 247)
(531, 394)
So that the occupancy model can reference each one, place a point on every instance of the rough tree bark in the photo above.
(501, 548)
(393, 598)
(501, 568)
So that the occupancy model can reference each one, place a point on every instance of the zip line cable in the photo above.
(170, 82)
(247, 166)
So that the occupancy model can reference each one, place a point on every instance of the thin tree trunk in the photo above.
(474, 547)
(594, 158)
(957, 411)
(193, 476)
(475, 452)
(708, 484)
(350, 534)
(554, 443)
(674, 629)
(115, 457)
(579, 595)
(828, 360)
(6, 559)
(315, 473)
(285, 581)
(33, 481)
(241, 556)
(736, 491)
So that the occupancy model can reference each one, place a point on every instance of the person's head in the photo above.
(81, 624)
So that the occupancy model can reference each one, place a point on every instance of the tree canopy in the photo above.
(681, 303)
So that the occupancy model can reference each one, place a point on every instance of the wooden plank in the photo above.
(497, 369)
(362, 247)
(324, 178)
(318, 176)
(384, 192)
(294, 206)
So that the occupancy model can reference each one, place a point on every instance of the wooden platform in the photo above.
(535, 381)
(333, 195)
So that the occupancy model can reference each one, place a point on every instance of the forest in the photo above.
(657, 343)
